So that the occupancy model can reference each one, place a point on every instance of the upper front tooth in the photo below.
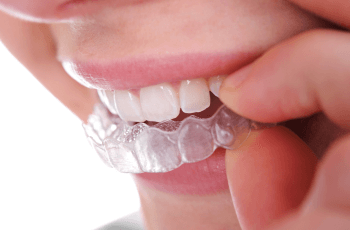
(159, 102)
(110, 101)
(215, 83)
(107, 97)
(128, 106)
(102, 95)
(194, 95)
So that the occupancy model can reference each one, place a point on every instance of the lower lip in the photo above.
(200, 178)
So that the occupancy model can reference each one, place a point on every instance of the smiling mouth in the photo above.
(162, 155)
(156, 89)
(153, 100)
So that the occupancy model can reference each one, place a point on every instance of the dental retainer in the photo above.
(138, 148)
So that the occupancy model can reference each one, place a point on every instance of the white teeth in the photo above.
(159, 102)
(162, 102)
(110, 101)
(215, 83)
(102, 95)
(194, 95)
(107, 97)
(128, 106)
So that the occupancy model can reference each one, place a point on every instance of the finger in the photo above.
(269, 176)
(322, 219)
(299, 77)
(332, 184)
(328, 203)
(335, 10)
(34, 47)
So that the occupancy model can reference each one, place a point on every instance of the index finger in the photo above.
(335, 10)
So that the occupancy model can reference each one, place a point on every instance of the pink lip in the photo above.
(133, 73)
(200, 178)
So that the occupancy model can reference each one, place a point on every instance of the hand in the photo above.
(275, 174)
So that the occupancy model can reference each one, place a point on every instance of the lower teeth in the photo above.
(166, 145)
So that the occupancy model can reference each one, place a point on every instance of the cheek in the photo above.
(32, 9)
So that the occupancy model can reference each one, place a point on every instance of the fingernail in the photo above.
(228, 93)
(236, 79)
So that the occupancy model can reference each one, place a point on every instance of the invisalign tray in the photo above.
(167, 145)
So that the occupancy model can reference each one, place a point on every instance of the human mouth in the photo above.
(155, 89)
(159, 102)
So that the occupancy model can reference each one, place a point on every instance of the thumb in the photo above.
(269, 176)
(327, 205)
(299, 77)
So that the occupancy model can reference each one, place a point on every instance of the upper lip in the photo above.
(134, 73)
(74, 8)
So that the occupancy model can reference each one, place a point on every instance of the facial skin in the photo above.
(176, 27)
(112, 30)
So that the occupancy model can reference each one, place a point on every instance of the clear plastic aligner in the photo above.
(138, 148)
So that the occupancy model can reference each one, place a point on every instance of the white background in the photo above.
(50, 178)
